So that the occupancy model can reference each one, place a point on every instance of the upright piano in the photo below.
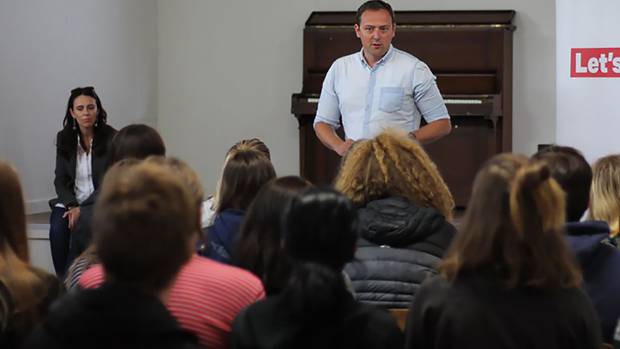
(470, 53)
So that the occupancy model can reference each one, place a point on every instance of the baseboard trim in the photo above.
(37, 206)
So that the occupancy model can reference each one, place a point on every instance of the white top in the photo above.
(396, 92)
(83, 173)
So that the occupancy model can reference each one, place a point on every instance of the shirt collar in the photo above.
(383, 59)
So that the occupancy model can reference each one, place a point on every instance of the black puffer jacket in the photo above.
(400, 246)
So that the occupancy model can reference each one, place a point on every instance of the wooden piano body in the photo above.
(470, 53)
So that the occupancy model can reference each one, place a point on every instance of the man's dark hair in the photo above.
(374, 5)
(571, 170)
(136, 141)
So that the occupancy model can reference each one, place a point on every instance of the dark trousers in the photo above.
(60, 237)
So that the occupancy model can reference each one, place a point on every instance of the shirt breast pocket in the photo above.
(391, 99)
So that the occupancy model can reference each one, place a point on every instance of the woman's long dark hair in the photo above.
(67, 143)
(320, 232)
(259, 245)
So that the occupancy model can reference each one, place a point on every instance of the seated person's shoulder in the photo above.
(210, 269)
(378, 327)
(49, 288)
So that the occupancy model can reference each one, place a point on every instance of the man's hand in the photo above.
(344, 147)
(326, 134)
(72, 215)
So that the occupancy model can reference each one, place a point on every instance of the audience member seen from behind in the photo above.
(404, 207)
(605, 194)
(599, 262)
(25, 291)
(206, 295)
(135, 141)
(508, 279)
(259, 246)
(246, 170)
(81, 159)
(616, 341)
(145, 228)
(209, 206)
(315, 309)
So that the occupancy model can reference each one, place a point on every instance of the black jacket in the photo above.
(66, 143)
(600, 264)
(400, 246)
(271, 324)
(112, 316)
(477, 311)
(16, 322)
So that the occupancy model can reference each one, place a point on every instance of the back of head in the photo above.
(571, 170)
(136, 141)
(320, 232)
(12, 214)
(185, 172)
(393, 164)
(250, 144)
(25, 285)
(246, 170)
(605, 192)
(320, 227)
(259, 244)
(512, 227)
(145, 224)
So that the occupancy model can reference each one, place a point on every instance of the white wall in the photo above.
(227, 70)
(587, 107)
(49, 47)
(209, 73)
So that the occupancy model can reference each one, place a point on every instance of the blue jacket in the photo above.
(221, 236)
(600, 264)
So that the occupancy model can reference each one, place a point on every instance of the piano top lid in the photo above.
(486, 17)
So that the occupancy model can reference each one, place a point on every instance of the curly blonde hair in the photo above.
(605, 191)
(393, 164)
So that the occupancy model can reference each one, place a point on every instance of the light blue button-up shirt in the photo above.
(396, 92)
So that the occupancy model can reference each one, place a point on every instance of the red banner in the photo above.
(595, 62)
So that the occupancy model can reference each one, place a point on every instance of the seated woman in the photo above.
(245, 171)
(605, 195)
(81, 159)
(25, 291)
(259, 248)
(508, 280)
(405, 208)
(135, 141)
(315, 310)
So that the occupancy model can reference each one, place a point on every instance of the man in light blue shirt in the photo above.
(378, 88)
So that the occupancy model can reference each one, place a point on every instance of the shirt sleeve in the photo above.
(426, 95)
(328, 110)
